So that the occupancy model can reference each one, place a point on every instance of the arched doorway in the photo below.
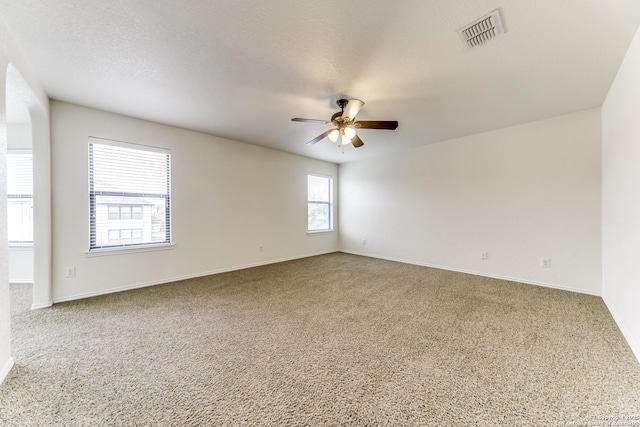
(28, 129)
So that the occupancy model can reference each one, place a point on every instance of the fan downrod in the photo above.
(342, 103)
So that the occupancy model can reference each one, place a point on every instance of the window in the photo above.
(119, 237)
(114, 212)
(114, 237)
(129, 194)
(319, 203)
(136, 212)
(125, 212)
(20, 196)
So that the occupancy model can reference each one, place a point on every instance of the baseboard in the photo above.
(626, 332)
(176, 279)
(5, 369)
(42, 305)
(476, 273)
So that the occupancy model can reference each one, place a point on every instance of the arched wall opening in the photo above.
(27, 125)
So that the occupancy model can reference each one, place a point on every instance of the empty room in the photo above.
(320, 213)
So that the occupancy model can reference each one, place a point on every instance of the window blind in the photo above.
(129, 194)
(319, 203)
(20, 197)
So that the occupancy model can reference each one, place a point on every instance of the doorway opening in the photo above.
(28, 189)
(20, 213)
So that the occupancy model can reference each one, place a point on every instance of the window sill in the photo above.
(320, 232)
(129, 250)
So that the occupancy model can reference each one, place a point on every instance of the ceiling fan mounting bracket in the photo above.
(342, 103)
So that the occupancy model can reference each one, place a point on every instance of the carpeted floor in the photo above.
(330, 340)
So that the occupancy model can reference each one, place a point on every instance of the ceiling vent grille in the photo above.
(482, 30)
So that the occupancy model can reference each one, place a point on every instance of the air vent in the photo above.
(482, 30)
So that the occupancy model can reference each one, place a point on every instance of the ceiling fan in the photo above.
(345, 124)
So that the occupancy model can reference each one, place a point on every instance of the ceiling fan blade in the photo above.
(379, 124)
(297, 119)
(319, 137)
(356, 141)
(352, 109)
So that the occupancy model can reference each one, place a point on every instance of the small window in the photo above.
(125, 236)
(114, 212)
(136, 212)
(136, 235)
(125, 212)
(20, 197)
(319, 203)
(114, 237)
(126, 180)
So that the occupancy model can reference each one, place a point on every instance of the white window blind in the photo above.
(319, 203)
(129, 194)
(20, 197)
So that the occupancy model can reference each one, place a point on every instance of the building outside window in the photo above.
(125, 212)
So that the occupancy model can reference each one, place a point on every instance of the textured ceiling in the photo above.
(243, 69)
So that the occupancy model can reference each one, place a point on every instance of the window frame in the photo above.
(330, 204)
(106, 248)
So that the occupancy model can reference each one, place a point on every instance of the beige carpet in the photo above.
(330, 340)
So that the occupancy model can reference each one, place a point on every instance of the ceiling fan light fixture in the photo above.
(333, 135)
(349, 132)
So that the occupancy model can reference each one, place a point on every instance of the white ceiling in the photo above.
(242, 69)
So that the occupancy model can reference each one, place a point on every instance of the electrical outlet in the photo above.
(484, 255)
(364, 242)
(545, 263)
(70, 272)
(260, 248)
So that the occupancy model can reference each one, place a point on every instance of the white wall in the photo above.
(21, 264)
(520, 194)
(621, 197)
(20, 257)
(13, 65)
(228, 198)
(19, 136)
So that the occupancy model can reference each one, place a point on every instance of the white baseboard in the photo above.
(626, 331)
(175, 279)
(42, 305)
(5, 369)
(476, 273)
